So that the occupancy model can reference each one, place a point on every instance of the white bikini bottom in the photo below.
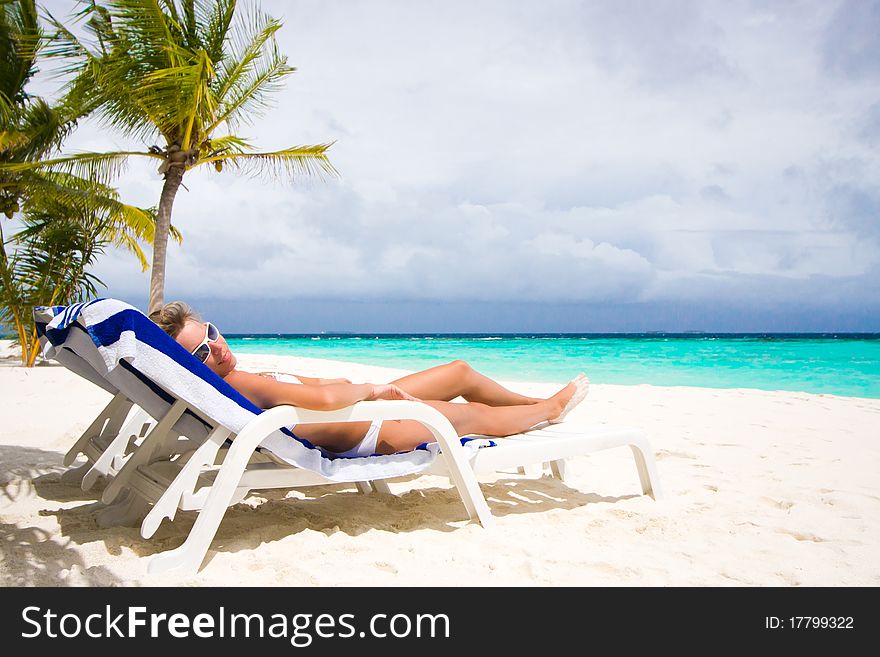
(367, 445)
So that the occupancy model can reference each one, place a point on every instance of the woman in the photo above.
(490, 410)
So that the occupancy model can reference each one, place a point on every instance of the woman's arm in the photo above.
(266, 392)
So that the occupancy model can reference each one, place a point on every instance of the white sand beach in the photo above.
(762, 488)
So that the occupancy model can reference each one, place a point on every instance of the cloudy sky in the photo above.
(547, 166)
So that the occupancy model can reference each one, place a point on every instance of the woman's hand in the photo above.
(389, 391)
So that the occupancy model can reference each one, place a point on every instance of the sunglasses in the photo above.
(204, 350)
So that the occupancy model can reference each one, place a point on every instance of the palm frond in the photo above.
(20, 41)
(97, 79)
(122, 237)
(189, 25)
(46, 128)
(55, 249)
(175, 96)
(126, 227)
(151, 32)
(248, 39)
(99, 167)
(247, 98)
(227, 144)
(290, 162)
(100, 24)
(251, 70)
(41, 188)
(63, 44)
(66, 195)
(173, 14)
(7, 110)
(10, 139)
(135, 38)
(216, 27)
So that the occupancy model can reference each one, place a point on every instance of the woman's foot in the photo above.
(581, 386)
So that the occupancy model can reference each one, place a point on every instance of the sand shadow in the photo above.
(31, 555)
(23, 469)
(21, 466)
(267, 516)
(34, 557)
(330, 509)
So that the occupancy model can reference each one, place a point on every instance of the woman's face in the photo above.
(221, 359)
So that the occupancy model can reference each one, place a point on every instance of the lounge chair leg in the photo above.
(364, 487)
(381, 487)
(92, 476)
(105, 426)
(74, 476)
(104, 465)
(119, 459)
(557, 469)
(114, 412)
(189, 556)
(530, 470)
(143, 454)
(127, 513)
(462, 477)
(113, 458)
(184, 483)
(138, 427)
(647, 469)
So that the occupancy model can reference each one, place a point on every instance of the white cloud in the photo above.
(571, 151)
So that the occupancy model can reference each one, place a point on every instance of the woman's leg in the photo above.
(336, 436)
(458, 379)
(470, 418)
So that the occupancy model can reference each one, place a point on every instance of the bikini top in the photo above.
(285, 378)
(279, 376)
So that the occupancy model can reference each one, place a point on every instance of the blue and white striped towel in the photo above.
(125, 338)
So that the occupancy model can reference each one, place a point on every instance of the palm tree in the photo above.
(57, 245)
(30, 130)
(178, 72)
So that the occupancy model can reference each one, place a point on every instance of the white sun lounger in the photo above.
(142, 362)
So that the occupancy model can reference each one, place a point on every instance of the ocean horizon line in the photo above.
(865, 335)
(591, 334)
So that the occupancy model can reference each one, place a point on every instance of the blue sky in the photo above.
(552, 166)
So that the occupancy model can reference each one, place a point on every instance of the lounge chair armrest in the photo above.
(367, 411)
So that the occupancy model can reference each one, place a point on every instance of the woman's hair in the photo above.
(172, 317)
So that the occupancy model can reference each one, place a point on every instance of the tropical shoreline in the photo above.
(808, 363)
(786, 478)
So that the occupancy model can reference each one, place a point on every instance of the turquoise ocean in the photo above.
(838, 364)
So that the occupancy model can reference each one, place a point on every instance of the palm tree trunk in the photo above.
(173, 178)
(11, 294)
(33, 349)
